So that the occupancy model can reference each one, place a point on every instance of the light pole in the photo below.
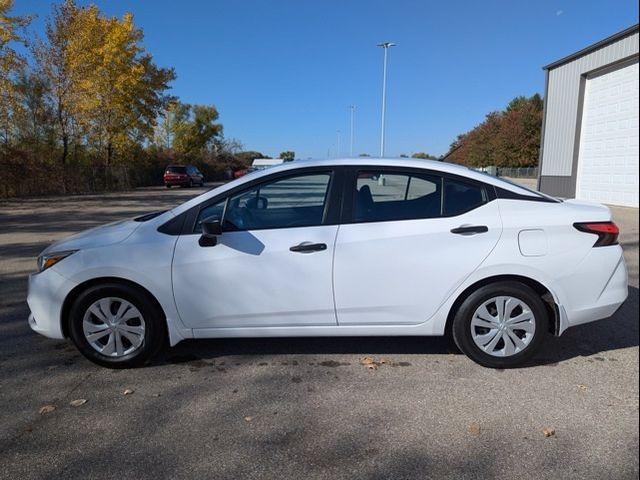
(352, 108)
(386, 46)
(338, 152)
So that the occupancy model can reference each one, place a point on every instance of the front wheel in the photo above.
(117, 326)
(501, 325)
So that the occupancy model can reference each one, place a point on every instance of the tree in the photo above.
(509, 138)
(10, 62)
(120, 91)
(196, 128)
(52, 59)
(33, 118)
(249, 156)
(424, 156)
(287, 155)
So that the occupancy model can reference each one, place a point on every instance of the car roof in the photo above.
(433, 165)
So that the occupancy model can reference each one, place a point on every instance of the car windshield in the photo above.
(176, 169)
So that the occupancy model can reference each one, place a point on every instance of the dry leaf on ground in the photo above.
(46, 409)
(549, 431)
(128, 391)
(78, 402)
(248, 419)
(369, 362)
(474, 428)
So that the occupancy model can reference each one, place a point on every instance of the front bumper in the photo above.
(47, 291)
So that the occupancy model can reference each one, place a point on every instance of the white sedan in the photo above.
(337, 248)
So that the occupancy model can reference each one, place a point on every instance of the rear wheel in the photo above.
(117, 326)
(168, 186)
(501, 325)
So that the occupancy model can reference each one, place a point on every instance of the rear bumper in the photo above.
(603, 293)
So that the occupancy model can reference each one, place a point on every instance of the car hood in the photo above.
(96, 237)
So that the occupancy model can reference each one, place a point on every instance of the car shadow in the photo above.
(605, 336)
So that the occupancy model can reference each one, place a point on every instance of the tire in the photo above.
(142, 311)
(190, 184)
(470, 331)
(168, 186)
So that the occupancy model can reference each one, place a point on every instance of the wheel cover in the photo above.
(113, 327)
(503, 326)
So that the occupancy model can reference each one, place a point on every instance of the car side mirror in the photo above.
(210, 232)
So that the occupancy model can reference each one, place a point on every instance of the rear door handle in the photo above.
(306, 247)
(470, 229)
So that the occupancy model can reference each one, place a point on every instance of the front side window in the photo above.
(210, 213)
(385, 196)
(296, 201)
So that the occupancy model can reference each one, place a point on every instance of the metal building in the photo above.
(590, 128)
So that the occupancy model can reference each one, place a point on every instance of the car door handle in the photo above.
(470, 229)
(306, 247)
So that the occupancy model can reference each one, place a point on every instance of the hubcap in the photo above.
(113, 327)
(503, 326)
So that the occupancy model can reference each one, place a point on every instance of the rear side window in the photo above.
(177, 169)
(386, 196)
(461, 197)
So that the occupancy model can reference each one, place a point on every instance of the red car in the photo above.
(182, 175)
(240, 173)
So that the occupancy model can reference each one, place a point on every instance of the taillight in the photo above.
(607, 232)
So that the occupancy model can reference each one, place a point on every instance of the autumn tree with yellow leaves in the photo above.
(10, 62)
(105, 88)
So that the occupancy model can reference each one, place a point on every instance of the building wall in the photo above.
(563, 113)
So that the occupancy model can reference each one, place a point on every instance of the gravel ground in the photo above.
(304, 408)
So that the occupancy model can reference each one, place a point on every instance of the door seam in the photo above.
(333, 276)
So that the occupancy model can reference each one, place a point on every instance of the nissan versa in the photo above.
(341, 247)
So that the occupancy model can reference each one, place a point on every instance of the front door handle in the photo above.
(307, 247)
(470, 229)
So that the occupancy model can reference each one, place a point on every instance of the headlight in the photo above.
(47, 260)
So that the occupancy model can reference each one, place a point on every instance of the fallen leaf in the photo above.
(369, 362)
(156, 394)
(549, 432)
(128, 391)
(46, 409)
(474, 428)
(582, 387)
(78, 402)
(248, 419)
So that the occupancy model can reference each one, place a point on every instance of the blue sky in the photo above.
(283, 73)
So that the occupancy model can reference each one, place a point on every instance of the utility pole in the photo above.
(352, 108)
(386, 46)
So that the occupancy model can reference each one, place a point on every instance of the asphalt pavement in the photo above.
(304, 408)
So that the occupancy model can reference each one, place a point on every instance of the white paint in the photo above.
(384, 278)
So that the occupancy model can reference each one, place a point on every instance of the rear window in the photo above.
(176, 169)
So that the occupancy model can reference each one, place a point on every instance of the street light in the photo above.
(338, 153)
(352, 108)
(386, 46)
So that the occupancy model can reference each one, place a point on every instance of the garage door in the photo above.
(608, 155)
